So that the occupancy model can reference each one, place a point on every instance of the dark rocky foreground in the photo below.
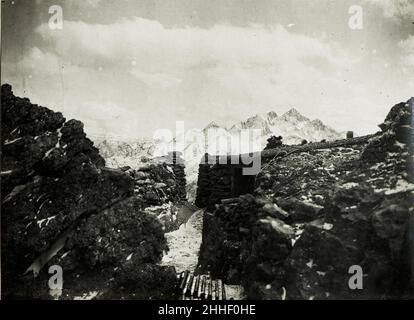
(291, 232)
(62, 206)
(313, 214)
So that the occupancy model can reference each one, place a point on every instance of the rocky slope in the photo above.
(316, 213)
(292, 126)
(62, 206)
(121, 153)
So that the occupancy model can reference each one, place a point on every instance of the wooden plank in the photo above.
(184, 280)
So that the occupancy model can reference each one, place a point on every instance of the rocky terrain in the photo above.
(316, 211)
(61, 206)
(293, 126)
(120, 152)
(291, 232)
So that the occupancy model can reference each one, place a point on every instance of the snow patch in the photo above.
(327, 226)
(87, 296)
(7, 142)
(402, 186)
(40, 222)
(349, 185)
(184, 244)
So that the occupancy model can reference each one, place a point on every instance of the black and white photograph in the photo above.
(211, 150)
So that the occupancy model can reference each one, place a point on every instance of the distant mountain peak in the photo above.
(317, 121)
(271, 115)
(294, 114)
(211, 125)
(254, 119)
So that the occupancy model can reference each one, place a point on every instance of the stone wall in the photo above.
(219, 179)
(178, 165)
(217, 182)
(203, 186)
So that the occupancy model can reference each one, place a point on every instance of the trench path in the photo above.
(184, 245)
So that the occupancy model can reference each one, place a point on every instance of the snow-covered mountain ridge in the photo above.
(292, 126)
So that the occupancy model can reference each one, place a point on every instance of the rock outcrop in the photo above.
(273, 142)
(61, 206)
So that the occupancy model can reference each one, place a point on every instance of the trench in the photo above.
(184, 248)
(185, 242)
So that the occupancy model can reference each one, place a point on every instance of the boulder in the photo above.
(273, 210)
(390, 223)
(305, 211)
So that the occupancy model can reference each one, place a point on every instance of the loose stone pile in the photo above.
(203, 185)
(157, 184)
(181, 184)
(215, 183)
(220, 183)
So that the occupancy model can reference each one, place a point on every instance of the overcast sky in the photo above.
(126, 68)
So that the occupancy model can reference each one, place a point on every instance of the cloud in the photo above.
(395, 9)
(93, 3)
(80, 4)
(407, 45)
(101, 116)
(152, 75)
(407, 58)
(157, 48)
